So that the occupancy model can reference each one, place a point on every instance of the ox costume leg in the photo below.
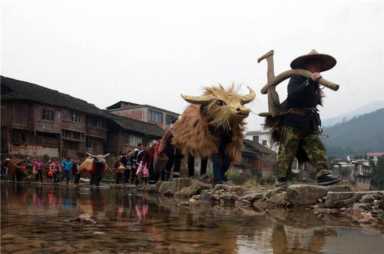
(221, 165)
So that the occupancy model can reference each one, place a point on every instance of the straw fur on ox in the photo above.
(218, 110)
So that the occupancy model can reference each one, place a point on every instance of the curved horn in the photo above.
(90, 155)
(106, 155)
(204, 99)
(249, 97)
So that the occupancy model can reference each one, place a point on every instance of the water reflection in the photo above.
(38, 219)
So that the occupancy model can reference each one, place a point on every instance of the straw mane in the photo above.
(198, 130)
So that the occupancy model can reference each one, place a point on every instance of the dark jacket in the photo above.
(303, 96)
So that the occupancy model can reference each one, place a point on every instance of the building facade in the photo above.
(37, 122)
(263, 138)
(147, 113)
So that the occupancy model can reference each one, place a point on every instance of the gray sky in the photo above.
(151, 51)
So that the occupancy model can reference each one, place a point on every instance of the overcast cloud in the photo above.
(152, 51)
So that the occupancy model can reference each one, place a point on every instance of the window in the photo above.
(135, 140)
(48, 114)
(75, 117)
(73, 135)
(169, 119)
(96, 123)
(155, 117)
(18, 137)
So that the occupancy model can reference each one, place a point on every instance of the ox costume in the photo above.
(212, 127)
(300, 123)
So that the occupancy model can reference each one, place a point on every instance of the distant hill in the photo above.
(357, 136)
(357, 112)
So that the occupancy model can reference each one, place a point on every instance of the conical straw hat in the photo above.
(324, 61)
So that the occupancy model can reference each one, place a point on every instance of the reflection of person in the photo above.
(301, 121)
(279, 240)
(52, 199)
(141, 209)
(97, 202)
(280, 244)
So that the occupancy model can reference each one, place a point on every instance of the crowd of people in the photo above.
(145, 164)
(141, 165)
(53, 170)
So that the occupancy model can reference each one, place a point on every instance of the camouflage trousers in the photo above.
(291, 141)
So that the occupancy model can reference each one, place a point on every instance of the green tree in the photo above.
(377, 181)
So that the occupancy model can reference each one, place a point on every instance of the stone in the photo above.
(228, 198)
(8, 237)
(197, 197)
(326, 211)
(342, 199)
(260, 205)
(361, 216)
(192, 200)
(304, 194)
(167, 188)
(243, 203)
(272, 192)
(195, 188)
(206, 196)
(35, 243)
(151, 188)
(84, 218)
(279, 199)
(230, 188)
(368, 199)
(12, 248)
(98, 233)
(61, 249)
(339, 188)
(182, 183)
(252, 197)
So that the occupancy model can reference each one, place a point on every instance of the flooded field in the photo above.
(37, 219)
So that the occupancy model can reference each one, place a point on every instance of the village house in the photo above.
(374, 156)
(125, 133)
(357, 171)
(147, 113)
(257, 158)
(263, 138)
(37, 121)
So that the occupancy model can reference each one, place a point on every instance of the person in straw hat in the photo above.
(301, 121)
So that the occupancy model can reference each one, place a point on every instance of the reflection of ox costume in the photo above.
(212, 127)
(95, 165)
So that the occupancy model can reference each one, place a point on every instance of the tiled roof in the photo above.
(12, 89)
(136, 125)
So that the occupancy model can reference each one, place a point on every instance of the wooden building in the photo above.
(143, 112)
(125, 133)
(37, 121)
(258, 158)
